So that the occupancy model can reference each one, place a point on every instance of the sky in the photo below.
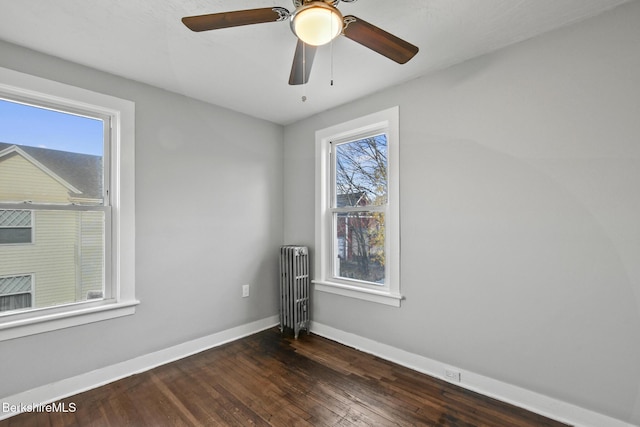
(23, 124)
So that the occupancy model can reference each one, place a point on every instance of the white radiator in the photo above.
(294, 288)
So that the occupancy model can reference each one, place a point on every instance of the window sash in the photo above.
(71, 108)
(16, 235)
(347, 256)
(8, 301)
(110, 287)
(333, 210)
(333, 153)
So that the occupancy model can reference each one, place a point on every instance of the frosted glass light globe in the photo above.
(316, 23)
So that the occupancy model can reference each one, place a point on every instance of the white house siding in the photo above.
(91, 252)
(51, 258)
(54, 257)
(22, 180)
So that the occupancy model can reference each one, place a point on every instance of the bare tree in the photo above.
(361, 180)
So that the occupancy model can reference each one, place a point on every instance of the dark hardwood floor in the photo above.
(270, 380)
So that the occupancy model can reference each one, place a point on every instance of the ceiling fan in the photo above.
(315, 23)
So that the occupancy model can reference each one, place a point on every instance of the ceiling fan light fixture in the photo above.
(316, 23)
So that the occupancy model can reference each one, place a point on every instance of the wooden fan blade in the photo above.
(378, 40)
(238, 18)
(302, 62)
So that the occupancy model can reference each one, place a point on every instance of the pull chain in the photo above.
(331, 62)
(304, 72)
(331, 53)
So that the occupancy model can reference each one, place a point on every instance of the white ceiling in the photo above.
(247, 68)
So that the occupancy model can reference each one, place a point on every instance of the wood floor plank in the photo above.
(272, 380)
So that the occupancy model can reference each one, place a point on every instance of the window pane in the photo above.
(361, 172)
(15, 302)
(360, 246)
(15, 235)
(49, 156)
(67, 259)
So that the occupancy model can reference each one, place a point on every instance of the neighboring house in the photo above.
(347, 241)
(358, 240)
(49, 257)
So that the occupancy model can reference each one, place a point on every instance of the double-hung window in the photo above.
(16, 292)
(357, 223)
(15, 226)
(66, 206)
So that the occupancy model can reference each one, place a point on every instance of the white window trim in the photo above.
(324, 281)
(122, 187)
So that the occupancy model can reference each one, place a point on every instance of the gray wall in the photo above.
(520, 209)
(208, 220)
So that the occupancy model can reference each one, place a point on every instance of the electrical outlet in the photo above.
(452, 375)
(245, 291)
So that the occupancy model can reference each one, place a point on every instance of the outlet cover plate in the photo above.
(452, 375)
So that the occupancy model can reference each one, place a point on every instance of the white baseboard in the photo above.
(68, 387)
(532, 401)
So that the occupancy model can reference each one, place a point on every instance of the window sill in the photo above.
(371, 295)
(66, 319)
